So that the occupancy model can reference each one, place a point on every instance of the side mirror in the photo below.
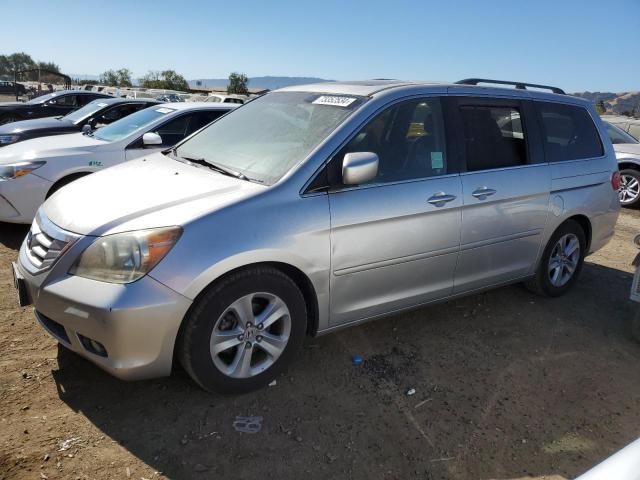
(151, 138)
(86, 128)
(359, 167)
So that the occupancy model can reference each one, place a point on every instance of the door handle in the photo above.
(440, 198)
(482, 193)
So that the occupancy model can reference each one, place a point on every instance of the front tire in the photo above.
(561, 261)
(243, 331)
(629, 192)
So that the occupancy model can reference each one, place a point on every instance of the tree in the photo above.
(167, 80)
(22, 61)
(600, 108)
(116, 78)
(238, 84)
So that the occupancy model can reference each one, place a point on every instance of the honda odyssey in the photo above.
(313, 208)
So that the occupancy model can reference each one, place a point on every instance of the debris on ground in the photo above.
(247, 424)
(356, 360)
(68, 443)
(410, 391)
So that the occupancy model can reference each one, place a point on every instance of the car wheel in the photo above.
(243, 331)
(561, 261)
(8, 119)
(629, 192)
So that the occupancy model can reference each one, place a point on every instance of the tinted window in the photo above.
(408, 139)
(64, 101)
(493, 137)
(568, 133)
(201, 119)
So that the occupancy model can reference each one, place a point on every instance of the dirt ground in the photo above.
(508, 386)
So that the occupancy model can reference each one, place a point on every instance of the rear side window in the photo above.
(568, 133)
(493, 137)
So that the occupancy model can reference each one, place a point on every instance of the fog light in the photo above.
(93, 346)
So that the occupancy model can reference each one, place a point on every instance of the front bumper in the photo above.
(21, 197)
(136, 324)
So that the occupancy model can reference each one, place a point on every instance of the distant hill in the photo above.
(618, 103)
(270, 83)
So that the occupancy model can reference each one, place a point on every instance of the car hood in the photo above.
(47, 123)
(49, 147)
(149, 192)
(626, 149)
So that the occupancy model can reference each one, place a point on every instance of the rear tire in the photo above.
(629, 192)
(244, 331)
(561, 261)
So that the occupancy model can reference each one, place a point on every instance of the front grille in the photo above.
(45, 243)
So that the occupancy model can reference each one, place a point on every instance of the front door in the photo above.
(395, 240)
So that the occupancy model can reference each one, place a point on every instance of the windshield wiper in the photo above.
(213, 166)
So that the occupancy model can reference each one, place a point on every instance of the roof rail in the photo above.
(518, 85)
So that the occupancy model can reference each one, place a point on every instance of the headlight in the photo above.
(125, 257)
(15, 170)
(7, 139)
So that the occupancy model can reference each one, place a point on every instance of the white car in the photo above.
(627, 150)
(33, 170)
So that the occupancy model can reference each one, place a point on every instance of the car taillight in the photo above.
(615, 181)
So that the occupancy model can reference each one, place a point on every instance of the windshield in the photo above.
(131, 123)
(86, 111)
(618, 135)
(267, 137)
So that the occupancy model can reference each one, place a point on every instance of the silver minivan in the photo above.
(314, 208)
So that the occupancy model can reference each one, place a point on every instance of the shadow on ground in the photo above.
(508, 385)
(12, 234)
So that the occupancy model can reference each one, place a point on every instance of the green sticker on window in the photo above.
(436, 160)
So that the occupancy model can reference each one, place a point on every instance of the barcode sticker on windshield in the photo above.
(334, 101)
(164, 110)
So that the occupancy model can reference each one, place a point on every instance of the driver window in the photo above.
(65, 101)
(408, 139)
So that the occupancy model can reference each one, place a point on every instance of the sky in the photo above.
(576, 45)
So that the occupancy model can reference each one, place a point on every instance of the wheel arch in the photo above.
(585, 224)
(301, 279)
(629, 164)
(65, 180)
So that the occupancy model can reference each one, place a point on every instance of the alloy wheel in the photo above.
(250, 335)
(564, 260)
(629, 189)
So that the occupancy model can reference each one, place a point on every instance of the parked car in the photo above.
(170, 97)
(95, 114)
(216, 98)
(627, 151)
(627, 124)
(49, 105)
(33, 170)
(311, 209)
(9, 88)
